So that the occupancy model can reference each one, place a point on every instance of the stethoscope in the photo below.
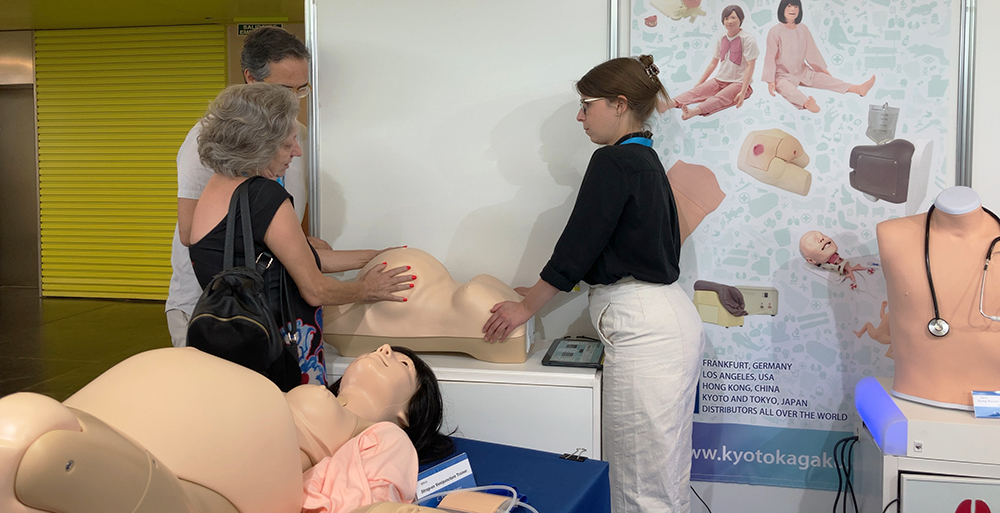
(938, 326)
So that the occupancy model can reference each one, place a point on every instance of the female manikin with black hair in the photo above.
(199, 428)
(623, 239)
(414, 392)
(792, 60)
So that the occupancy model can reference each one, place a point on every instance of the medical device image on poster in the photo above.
(842, 122)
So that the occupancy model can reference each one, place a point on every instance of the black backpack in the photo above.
(233, 318)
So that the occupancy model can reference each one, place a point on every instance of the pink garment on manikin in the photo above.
(786, 56)
(378, 465)
(788, 51)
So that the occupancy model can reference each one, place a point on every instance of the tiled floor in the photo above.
(55, 346)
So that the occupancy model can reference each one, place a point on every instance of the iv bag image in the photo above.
(882, 123)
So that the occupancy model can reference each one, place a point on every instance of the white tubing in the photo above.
(513, 503)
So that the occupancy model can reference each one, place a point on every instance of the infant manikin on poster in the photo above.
(794, 137)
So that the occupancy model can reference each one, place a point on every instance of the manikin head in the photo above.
(393, 384)
(734, 15)
(378, 386)
(790, 10)
(817, 248)
(617, 97)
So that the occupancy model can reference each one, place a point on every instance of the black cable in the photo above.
(849, 464)
(840, 483)
(890, 504)
(843, 464)
(703, 500)
(843, 456)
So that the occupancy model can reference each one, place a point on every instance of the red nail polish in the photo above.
(405, 300)
(411, 285)
(414, 277)
(385, 263)
(407, 268)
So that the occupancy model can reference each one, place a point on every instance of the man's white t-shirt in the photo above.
(192, 177)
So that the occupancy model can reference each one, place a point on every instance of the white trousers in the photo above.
(653, 340)
(177, 324)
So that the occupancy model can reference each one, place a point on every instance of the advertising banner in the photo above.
(793, 129)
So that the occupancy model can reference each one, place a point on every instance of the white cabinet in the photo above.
(555, 409)
(931, 459)
(879, 479)
(933, 494)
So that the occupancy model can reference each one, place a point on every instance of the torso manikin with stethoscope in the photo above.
(943, 346)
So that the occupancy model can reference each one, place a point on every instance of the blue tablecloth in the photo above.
(552, 485)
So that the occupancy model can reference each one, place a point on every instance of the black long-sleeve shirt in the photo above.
(624, 223)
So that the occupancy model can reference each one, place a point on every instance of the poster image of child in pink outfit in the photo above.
(792, 59)
(735, 55)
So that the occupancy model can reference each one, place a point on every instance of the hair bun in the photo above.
(648, 65)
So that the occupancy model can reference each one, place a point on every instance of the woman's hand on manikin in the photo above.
(379, 284)
(507, 316)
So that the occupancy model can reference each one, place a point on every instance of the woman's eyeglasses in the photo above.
(585, 102)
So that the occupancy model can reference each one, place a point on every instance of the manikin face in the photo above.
(385, 378)
(817, 248)
(601, 120)
(732, 22)
(791, 13)
(287, 150)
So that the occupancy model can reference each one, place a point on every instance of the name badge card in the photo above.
(450, 475)
(986, 404)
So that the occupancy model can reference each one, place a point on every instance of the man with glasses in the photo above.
(270, 54)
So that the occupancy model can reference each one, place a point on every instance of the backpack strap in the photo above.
(228, 256)
(291, 331)
(248, 251)
(240, 202)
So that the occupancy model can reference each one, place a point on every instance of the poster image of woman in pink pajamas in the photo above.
(792, 59)
(735, 55)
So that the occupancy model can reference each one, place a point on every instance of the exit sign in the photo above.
(246, 28)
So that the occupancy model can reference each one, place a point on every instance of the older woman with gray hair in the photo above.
(249, 134)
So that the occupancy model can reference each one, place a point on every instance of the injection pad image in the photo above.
(776, 158)
(440, 314)
(726, 305)
(897, 171)
(696, 194)
(718, 303)
(882, 171)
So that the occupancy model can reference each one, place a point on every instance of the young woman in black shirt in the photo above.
(623, 239)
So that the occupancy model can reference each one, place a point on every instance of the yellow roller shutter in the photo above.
(114, 106)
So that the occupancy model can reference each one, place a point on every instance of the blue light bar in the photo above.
(879, 412)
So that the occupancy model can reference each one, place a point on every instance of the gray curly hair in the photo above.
(244, 127)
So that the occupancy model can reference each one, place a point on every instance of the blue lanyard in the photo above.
(645, 141)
